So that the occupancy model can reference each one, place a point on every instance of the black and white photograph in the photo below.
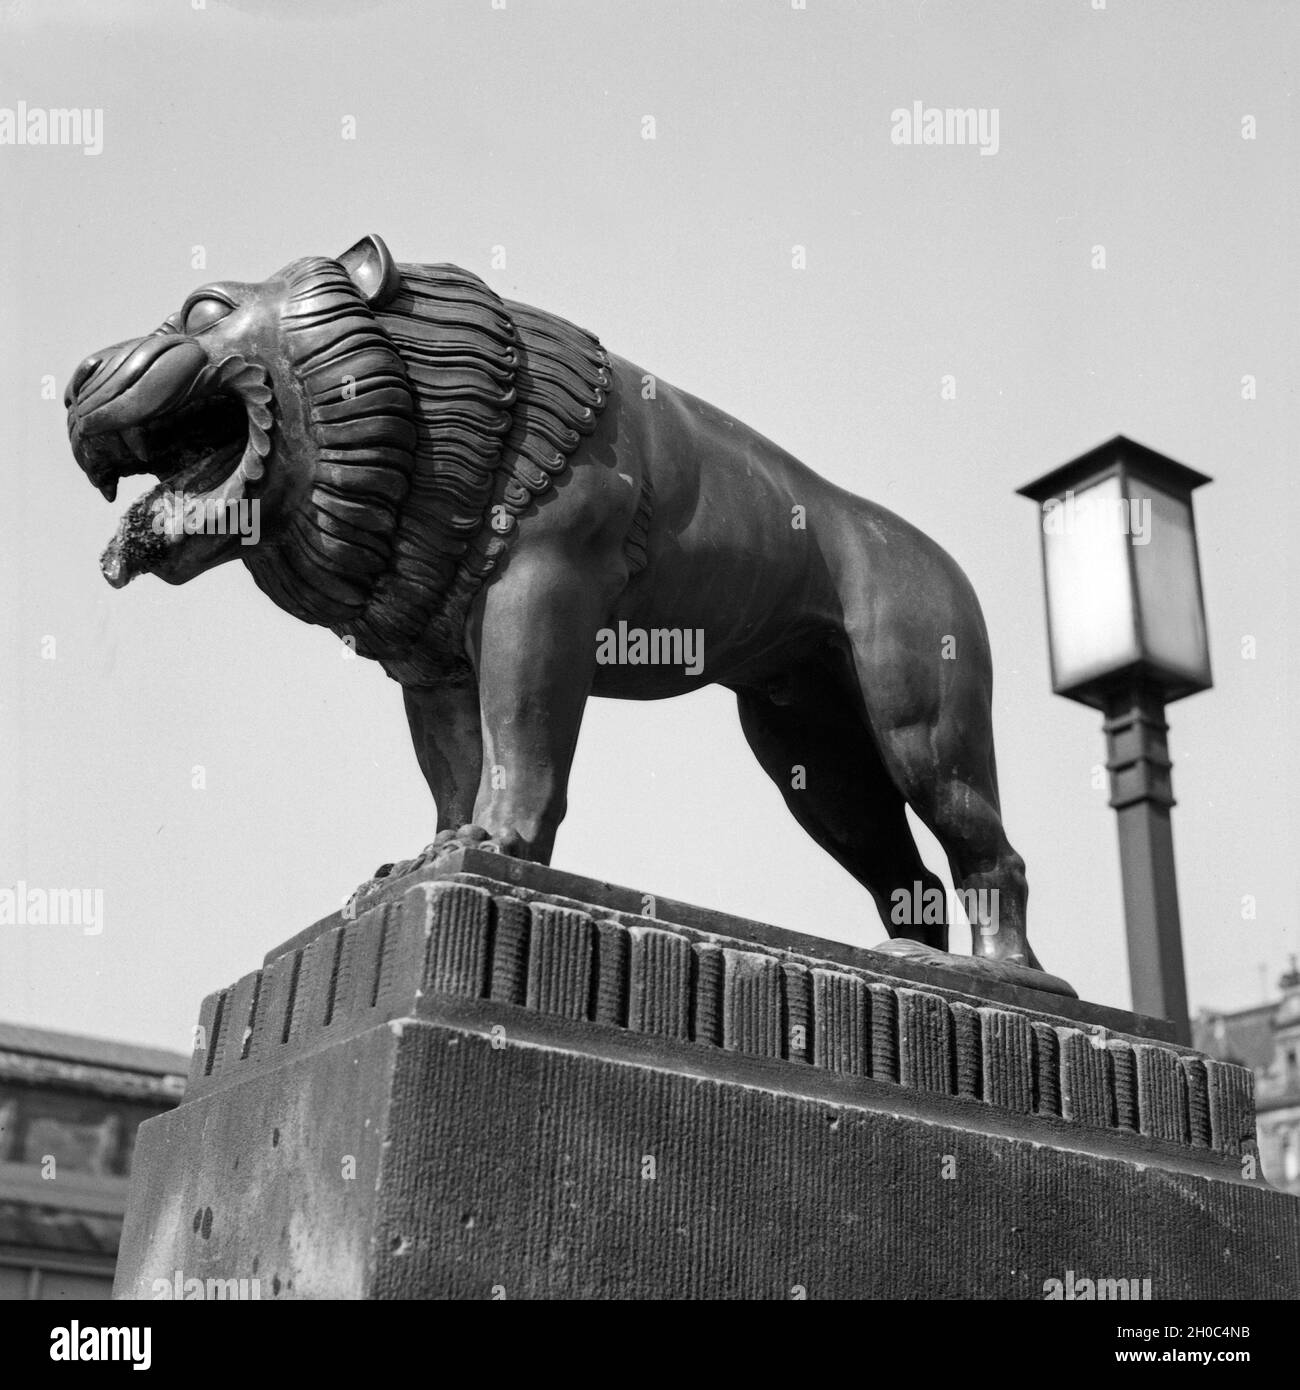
(646, 654)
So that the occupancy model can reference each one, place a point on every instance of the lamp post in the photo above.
(1126, 634)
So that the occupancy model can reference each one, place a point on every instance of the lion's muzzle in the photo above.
(115, 394)
(160, 405)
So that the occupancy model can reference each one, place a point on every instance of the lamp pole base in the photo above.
(1141, 794)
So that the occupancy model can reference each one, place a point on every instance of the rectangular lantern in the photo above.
(1122, 575)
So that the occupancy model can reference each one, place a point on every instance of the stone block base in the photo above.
(499, 1081)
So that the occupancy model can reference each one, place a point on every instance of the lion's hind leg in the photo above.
(943, 764)
(810, 737)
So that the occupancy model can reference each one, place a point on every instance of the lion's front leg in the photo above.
(447, 733)
(535, 650)
(445, 730)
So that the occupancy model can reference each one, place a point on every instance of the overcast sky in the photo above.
(523, 127)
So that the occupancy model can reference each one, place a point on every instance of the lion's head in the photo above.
(375, 415)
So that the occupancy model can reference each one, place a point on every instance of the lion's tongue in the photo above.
(136, 546)
(143, 537)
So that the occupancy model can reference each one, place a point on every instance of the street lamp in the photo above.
(1126, 635)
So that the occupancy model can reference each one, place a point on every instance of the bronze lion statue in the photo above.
(509, 519)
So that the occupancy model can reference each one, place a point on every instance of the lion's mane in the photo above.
(438, 420)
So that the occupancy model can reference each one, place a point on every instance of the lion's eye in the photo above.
(203, 313)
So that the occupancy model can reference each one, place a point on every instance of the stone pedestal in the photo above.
(503, 1081)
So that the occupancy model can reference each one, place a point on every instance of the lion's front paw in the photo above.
(444, 843)
(467, 837)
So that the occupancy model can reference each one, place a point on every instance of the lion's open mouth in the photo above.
(204, 440)
(191, 448)
(191, 453)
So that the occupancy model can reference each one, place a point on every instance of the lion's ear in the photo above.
(370, 265)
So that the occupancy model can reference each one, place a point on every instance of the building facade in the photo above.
(1266, 1039)
(69, 1110)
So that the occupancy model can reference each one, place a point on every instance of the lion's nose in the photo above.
(81, 376)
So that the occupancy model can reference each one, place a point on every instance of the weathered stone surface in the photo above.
(614, 978)
(1232, 1108)
(489, 1062)
(382, 983)
(1086, 1089)
(356, 969)
(884, 1032)
(798, 1012)
(506, 874)
(268, 1157)
(509, 949)
(1162, 1094)
(317, 984)
(479, 938)
(1198, 1102)
(842, 1022)
(660, 999)
(235, 1034)
(1123, 1070)
(751, 1004)
(967, 1050)
(456, 918)
(1008, 1060)
(559, 961)
(709, 971)
(1047, 1069)
(924, 1042)
(516, 1171)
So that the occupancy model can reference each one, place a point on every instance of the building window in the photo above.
(1290, 1159)
(48, 1281)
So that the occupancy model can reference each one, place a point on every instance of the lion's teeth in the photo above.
(251, 466)
(135, 441)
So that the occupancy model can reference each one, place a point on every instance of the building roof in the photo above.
(1244, 1037)
(92, 1052)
